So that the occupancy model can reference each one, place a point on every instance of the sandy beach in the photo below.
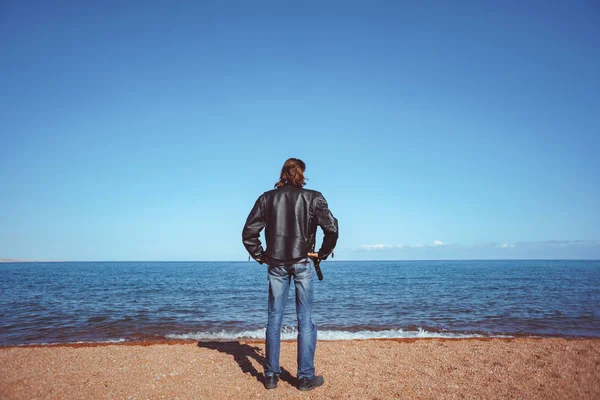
(521, 368)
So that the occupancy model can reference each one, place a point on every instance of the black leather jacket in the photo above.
(291, 216)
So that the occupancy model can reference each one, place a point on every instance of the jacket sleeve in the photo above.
(329, 224)
(251, 232)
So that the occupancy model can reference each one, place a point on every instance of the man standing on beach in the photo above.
(290, 215)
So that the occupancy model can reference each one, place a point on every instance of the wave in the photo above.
(290, 333)
(120, 340)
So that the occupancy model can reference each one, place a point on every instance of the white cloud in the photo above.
(550, 249)
(378, 246)
(549, 244)
(382, 246)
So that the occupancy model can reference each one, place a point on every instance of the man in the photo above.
(290, 215)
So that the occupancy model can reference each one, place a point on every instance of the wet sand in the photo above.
(521, 368)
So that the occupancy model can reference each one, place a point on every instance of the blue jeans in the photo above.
(279, 286)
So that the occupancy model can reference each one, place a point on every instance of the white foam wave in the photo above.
(290, 333)
(120, 340)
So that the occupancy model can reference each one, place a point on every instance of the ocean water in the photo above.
(139, 301)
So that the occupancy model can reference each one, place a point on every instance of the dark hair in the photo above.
(292, 173)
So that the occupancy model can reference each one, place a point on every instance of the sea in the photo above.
(91, 302)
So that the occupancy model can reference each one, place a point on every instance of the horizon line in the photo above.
(8, 261)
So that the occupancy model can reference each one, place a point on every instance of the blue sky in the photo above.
(145, 131)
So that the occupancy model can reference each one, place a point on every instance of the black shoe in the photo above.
(271, 381)
(309, 384)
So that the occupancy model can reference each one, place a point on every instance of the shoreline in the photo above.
(415, 368)
(170, 342)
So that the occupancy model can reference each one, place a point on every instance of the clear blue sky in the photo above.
(145, 131)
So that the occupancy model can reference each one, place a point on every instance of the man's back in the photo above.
(290, 215)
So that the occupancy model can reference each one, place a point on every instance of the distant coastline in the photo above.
(14, 260)
(405, 260)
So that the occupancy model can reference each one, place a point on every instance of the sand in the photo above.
(521, 368)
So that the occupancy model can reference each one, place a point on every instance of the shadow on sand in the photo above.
(242, 353)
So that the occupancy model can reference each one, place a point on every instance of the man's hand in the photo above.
(316, 262)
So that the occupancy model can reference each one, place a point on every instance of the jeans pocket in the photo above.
(304, 270)
(277, 270)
